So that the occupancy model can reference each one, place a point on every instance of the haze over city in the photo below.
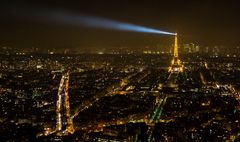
(203, 22)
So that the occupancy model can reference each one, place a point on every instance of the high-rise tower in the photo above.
(176, 65)
(64, 124)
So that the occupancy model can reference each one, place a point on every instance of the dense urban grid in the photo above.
(120, 96)
(119, 71)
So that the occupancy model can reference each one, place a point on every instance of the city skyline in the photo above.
(98, 71)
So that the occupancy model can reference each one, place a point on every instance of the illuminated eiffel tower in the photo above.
(176, 65)
(64, 123)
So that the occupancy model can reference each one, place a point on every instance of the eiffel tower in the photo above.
(176, 65)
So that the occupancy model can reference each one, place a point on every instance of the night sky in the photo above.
(205, 22)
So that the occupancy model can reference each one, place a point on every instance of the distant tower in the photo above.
(176, 63)
(64, 124)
